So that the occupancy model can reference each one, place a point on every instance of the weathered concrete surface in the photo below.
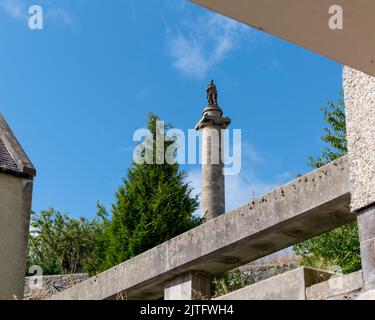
(369, 295)
(337, 287)
(359, 90)
(366, 224)
(290, 285)
(303, 208)
(360, 113)
(306, 23)
(189, 286)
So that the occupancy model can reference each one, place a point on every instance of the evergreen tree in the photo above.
(153, 205)
(338, 247)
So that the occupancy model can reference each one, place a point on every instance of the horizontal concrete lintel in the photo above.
(336, 286)
(290, 285)
(301, 209)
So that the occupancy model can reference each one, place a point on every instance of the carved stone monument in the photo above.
(213, 182)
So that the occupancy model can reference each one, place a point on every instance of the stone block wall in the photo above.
(50, 285)
(263, 272)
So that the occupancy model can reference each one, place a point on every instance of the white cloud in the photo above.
(287, 175)
(203, 42)
(251, 154)
(14, 8)
(59, 15)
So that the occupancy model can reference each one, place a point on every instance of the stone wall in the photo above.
(359, 91)
(263, 272)
(15, 202)
(50, 285)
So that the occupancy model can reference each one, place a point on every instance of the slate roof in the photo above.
(13, 159)
(6, 160)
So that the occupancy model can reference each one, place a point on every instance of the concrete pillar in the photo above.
(193, 285)
(211, 125)
(16, 185)
(359, 89)
(366, 223)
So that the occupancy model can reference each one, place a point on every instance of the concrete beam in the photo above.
(290, 285)
(336, 287)
(366, 224)
(301, 209)
(305, 23)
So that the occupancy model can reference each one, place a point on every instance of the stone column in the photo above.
(359, 90)
(193, 285)
(211, 125)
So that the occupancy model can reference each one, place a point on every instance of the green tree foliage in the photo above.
(153, 205)
(60, 244)
(338, 247)
(334, 135)
(230, 281)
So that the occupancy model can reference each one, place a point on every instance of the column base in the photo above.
(193, 285)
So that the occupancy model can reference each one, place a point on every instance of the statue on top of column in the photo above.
(211, 94)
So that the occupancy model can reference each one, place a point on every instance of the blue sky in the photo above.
(75, 92)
